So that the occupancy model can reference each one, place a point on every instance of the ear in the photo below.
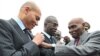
(27, 9)
(83, 24)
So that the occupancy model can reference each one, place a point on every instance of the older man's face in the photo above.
(76, 28)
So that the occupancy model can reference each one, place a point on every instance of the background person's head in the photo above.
(87, 26)
(58, 35)
(66, 39)
(29, 14)
(76, 27)
(50, 25)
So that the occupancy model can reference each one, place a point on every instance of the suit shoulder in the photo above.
(2, 21)
(95, 33)
(4, 24)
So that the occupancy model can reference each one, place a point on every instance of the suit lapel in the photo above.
(19, 30)
(46, 39)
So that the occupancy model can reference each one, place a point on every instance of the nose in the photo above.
(36, 23)
(55, 28)
(71, 30)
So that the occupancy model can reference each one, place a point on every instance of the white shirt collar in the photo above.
(20, 23)
(47, 34)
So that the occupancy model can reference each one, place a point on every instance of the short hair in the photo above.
(49, 19)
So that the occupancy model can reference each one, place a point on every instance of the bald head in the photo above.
(31, 5)
(77, 20)
(29, 14)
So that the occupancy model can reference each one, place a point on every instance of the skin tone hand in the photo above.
(38, 39)
(46, 45)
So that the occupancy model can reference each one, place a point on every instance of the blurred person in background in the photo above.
(58, 35)
(87, 26)
(66, 39)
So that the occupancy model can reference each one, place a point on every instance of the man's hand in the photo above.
(46, 45)
(38, 38)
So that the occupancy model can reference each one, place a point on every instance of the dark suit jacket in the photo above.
(13, 41)
(89, 45)
(49, 51)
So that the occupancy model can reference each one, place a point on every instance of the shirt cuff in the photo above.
(53, 45)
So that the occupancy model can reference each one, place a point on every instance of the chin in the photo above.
(53, 34)
(74, 36)
(31, 28)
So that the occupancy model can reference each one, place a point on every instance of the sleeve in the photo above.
(7, 46)
(46, 52)
(92, 47)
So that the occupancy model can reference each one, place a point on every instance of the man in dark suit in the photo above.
(50, 27)
(14, 41)
(85, 44)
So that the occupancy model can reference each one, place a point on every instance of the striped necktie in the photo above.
(52, 39)
(76, 42)
(28, 33)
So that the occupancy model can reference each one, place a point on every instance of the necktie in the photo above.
(52, 39)
(76, 42)
(28, 33)
(52, 42)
